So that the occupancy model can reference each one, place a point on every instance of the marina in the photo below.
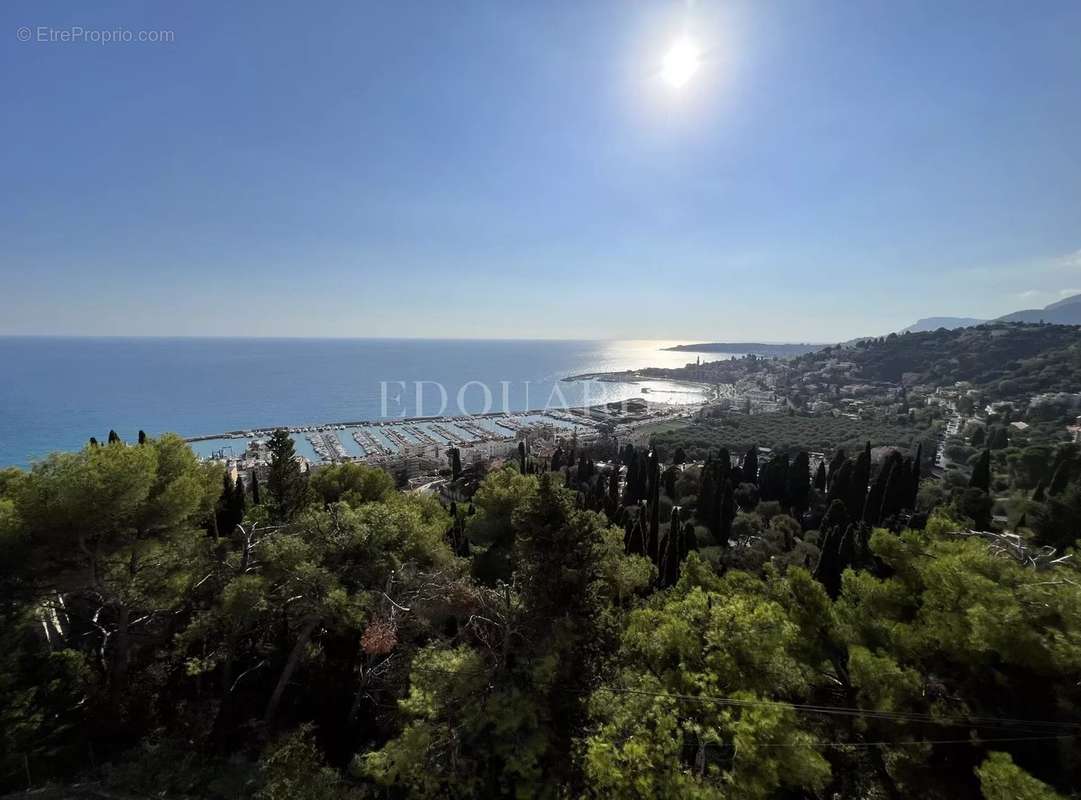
(380, 440)
(427, 439)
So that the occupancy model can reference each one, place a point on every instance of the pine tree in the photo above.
(286, 484)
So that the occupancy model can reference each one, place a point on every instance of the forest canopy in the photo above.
(595, 624)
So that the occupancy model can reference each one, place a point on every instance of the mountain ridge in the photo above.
(1066, 311)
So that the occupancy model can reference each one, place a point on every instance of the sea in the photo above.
(57, 392)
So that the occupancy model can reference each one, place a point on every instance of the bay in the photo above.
(56, 392)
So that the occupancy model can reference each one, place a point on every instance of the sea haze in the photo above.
(57, 392)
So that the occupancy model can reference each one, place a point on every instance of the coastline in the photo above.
(636, 376)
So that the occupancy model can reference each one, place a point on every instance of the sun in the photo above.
(680, 63)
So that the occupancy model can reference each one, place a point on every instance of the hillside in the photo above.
(1064, 312)
(1017, 358)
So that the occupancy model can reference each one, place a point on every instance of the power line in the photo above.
(1033, 726)
(899, 743)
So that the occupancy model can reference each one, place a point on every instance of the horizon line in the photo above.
(683, 342)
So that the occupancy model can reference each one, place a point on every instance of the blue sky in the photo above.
(503, 169)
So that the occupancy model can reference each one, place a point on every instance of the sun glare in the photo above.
(680, 63)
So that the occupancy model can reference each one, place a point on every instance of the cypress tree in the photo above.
(93, 442)
(978, 437)
(840, 483)
(613, 493)
(771, 480)
(142, 437)
(635, 539)
(836, 516)
(229, 510)
(896, 493)
(707, 491)
(798, 490)
(521, 457)
(724, 464)
(836, 463)
(981, 472)
(668, 571)
(255, 488)
(653, 473)
(240, 501)
(1060, 478)
(872, 505)
(655, 511)
(114, 437)
(670, 482)
(837, 548)
(916, 468)
(820, 476)
(750, 466)
(861, 477)
(690, 538)
(679, 456)
(727, 507)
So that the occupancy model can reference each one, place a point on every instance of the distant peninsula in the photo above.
(757, 348)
